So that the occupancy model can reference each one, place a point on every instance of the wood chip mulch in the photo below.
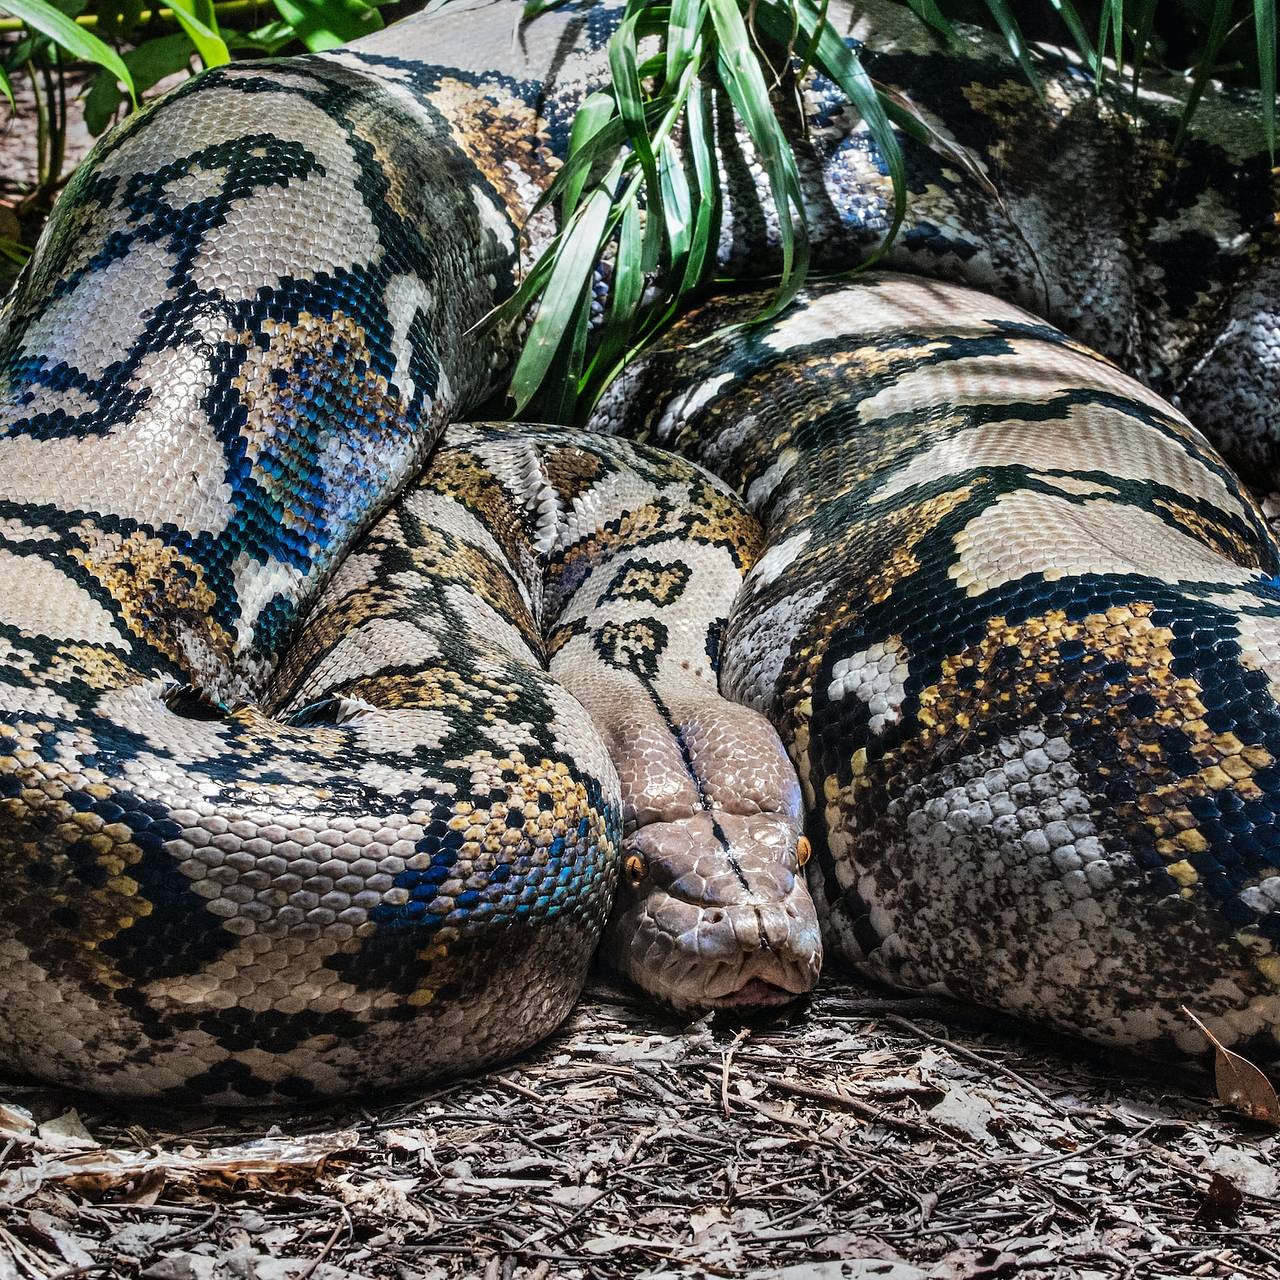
(865, 1135)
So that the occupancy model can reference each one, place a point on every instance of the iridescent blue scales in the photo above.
(318, 776)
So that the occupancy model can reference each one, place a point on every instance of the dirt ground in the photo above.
(18, 165)
(866, 1135)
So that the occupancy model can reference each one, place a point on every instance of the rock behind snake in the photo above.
(240, 336)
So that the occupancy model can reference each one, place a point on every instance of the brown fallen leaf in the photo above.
(1241, 1086)
(139, 1176)
(1221, 1201)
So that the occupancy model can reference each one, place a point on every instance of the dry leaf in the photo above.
(71, 1247)
(966, 1112)
(66, 1133)
(1253, 1176)
(16, 1122)
(268, 1162)
(1241, 1086)
(1222, 1201)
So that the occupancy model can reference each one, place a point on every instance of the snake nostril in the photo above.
(715, 916)
(190, 703)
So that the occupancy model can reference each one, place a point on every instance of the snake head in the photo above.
(713, 912)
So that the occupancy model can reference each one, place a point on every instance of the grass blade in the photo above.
(1264, 18)
(41, 16)
(1013, 37)
(201, 29)
(1141, 37)
(1219, 27)
(576, 253)
(927, 11)
(706, 226)
(1071, 20)
(325, 24)
(595, 113)
(683, 30)
(745, 84)
(841, 64)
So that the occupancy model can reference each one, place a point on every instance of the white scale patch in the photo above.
(1032, 370)
(1023, 533)
(754, 664)
(776, 560)
(40, 600)
(97, 322)
(406, 296)
(175, 469)
(876, 675)
(1086, 438)
(764, 486)
(1260, 644)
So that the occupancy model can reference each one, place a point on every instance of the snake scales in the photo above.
(317, 776)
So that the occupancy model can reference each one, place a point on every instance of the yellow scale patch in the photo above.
(161, 595)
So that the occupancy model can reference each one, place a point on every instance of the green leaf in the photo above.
(593, 149)
(677, 203)
(626, 290)
(629, 97)
(929, 12)
(683, 29)
(158, 57)
(41, 16)
(117, 18)
(101, 102)
(1141, 37)
(906, 115)
(744, 82)
(706, 227)
(1071, 19)
(149, 63)
(841, 64)
(325, 24)
(206, 39)
(1013, 37)
(1219, 28)
(271, 37)
(576, 252)
(1264, 18)
(1117, 35)
(7, 89)
(558, 397)
(595, 113)
(14, 251)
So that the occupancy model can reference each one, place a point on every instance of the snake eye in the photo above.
(636, 868)
(803, 850)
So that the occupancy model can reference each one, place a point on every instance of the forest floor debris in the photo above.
(868, 1134)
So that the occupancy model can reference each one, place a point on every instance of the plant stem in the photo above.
(228, 9)
(55, 82)
(42, 131)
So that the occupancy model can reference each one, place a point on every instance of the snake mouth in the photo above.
(755, 993)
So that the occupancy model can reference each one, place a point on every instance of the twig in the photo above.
(727, 1061)
(988, 1064)
(864, 1109)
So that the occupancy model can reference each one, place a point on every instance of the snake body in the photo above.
(306, 792)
